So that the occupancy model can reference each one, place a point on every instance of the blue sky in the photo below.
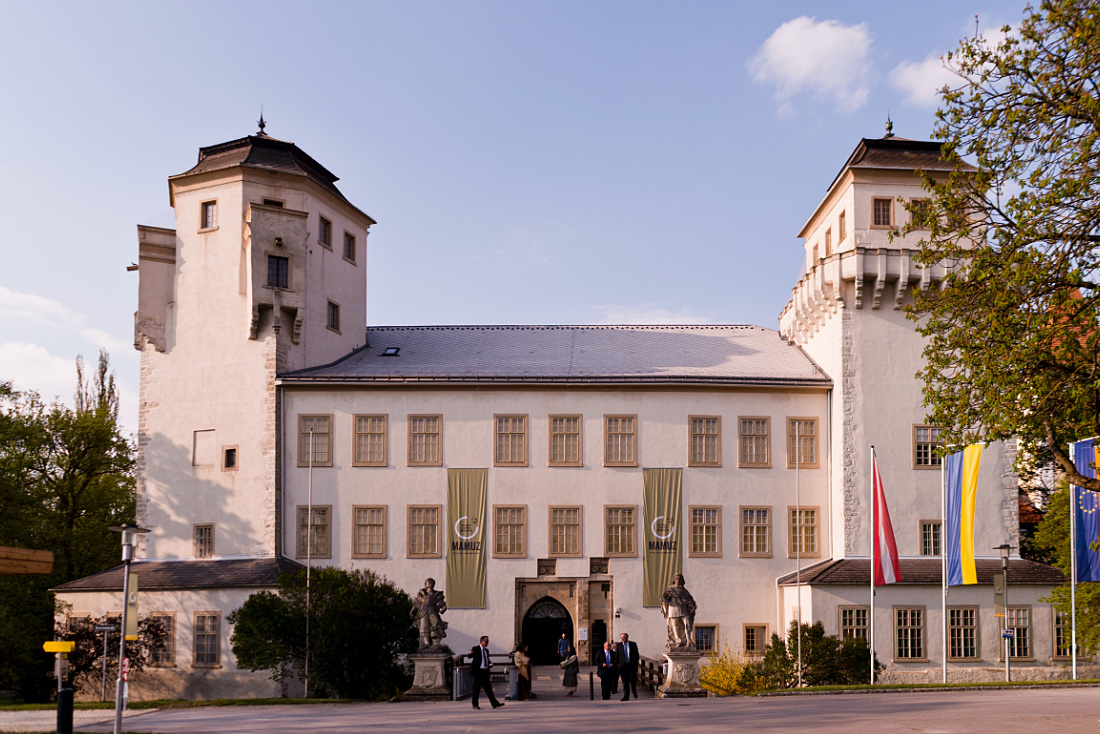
(527, 162)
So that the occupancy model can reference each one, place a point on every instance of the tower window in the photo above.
(278, 271)
(349, 247)
(229, 458)
(333, 320)
(324, 233)
(209, 215)
(274, 203)
(883, 213)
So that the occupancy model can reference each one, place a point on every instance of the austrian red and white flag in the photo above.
(887, 570)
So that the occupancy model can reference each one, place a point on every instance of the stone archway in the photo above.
(543, 626)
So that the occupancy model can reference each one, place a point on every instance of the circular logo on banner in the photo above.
(657, 525)
(461, 526)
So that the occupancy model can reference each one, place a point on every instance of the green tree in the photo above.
(66, 476)
(826, 659)
(359, 633)
(86, 659)
(1013, 342)
(1052, 536)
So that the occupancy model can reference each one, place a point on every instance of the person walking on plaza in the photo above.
(479, 669)
(607, 669)
(563, 646)
(571, 666)
(523, 670)
(627, 653)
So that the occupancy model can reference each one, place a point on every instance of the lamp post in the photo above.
(128, 532)
(1005, 549)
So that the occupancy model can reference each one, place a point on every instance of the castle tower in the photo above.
(265, 272)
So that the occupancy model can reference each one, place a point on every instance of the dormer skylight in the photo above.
(390, 351)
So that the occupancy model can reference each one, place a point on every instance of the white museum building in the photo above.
(548, 477)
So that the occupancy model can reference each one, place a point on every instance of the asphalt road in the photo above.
(1002, 711)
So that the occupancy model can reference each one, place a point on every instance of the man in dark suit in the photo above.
(479, 669)
(627, 653)
(607, 667)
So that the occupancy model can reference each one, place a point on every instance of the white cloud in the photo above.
(27, 308)
(921, 81)
(31, 367)
(825, 59)
(646, 313)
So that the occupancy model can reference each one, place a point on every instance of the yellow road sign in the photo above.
(58, 646)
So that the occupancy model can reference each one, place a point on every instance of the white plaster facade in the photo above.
(224, 352)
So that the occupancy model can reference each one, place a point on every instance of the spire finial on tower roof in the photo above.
(261, 122)
(889, 126)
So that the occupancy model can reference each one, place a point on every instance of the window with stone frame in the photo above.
(324, 233)
(921, 213)
(909, 633)
(802, 532)
(620, 440)
(706, 440)
(278, 271)
(1019, 621)
(163, 652)
(706, 637)
(207, 632)
(926, 439)
(424, 535)
(425, 440)
(318, 531)
(368, 531)
(565, 440)
(962, 633)
(706, 531)
(1063, 637)
(802, 443)
(371, 440)
(620, 531)
(565, 531)
(332, 319)
(753, 439)
(756, 532)
(510, 440)
(882, 212)
(854, 623)
(510, 531)
(828, 242)
(756, 639)
(930, 538)
(319, 428)
(202, 543)
(349, 247)
(209, 218)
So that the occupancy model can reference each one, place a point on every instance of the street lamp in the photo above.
(128, 531)
(1005, 549)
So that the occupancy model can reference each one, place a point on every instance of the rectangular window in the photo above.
(163, 653)
(79, 622)
(925, 441)
(706, 531)
(332, 319)
(511, 440)
(883, 213)
(828, 242)
(620, 531)
(509, 531)
(278, 271)
(424, 531)
(706, 440)
(229, 458)
(273, 202)
(621, 440)
(802, 532)
(756, 532)
(962, 633)
(425, 440)
(370, 440)
(1063, 639)
(853, 622)
(349, 247)
(756, 639)
(753, 440)
(909, 633)
(920, 213)
(565, 531)
(324, 233)
(706, 637)
(369, 531)
(209, 215)
(802, 443)
(842, 227)
(565, 440)
(207, 632)
(1019, 621)
(203, 541)
(318, 429)
(930, 538)
(317, 530)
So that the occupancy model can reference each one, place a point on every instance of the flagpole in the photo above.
(1073, 562)
(798, 541)
(943, 557)
(874, 520)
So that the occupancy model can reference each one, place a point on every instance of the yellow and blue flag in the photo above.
(1086, 456)
(961, 482)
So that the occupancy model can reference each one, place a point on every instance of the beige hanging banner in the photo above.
(661, 549)
(466, 496)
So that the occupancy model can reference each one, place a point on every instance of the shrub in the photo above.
(728, 673)
(826, 659)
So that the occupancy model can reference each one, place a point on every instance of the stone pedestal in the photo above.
(682, 680)
(429, 678)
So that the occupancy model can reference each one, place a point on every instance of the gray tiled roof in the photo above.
(728, 355)
(190, 574)
(857, 572)
(901, 154)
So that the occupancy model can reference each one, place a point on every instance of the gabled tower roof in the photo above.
(892, 152)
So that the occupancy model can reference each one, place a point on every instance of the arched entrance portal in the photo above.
(543, 626)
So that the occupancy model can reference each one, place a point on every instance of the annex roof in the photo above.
(719, 355)
(190, 574)
(857, 572)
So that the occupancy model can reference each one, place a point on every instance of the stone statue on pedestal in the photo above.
(426, 613)
(678, 606)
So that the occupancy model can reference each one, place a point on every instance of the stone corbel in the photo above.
(860, 254)
(254, 328)
(296, 332)
(903, 279)
(880, 279)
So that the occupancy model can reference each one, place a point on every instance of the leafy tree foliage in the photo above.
(66, 476)
(359, 633)
(1052, 536)
(86, 659)
(1013, 341)
(826, 659)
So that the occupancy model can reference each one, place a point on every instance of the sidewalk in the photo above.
(546, 683)
(22, 721)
